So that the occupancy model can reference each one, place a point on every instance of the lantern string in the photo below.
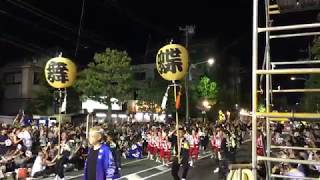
(79, 29)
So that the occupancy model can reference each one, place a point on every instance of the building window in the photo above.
(13, 78)
(139, 76)
(36, 78)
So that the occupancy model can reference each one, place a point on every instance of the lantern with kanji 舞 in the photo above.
(60, 72)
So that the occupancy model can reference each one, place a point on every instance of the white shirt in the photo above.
(26, 138)
(37, 166)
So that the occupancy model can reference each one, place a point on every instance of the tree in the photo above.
(108, 76)
(261, 108)
(207, 88)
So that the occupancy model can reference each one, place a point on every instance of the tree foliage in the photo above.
(207, 88)
(261, 108)
(108, 76)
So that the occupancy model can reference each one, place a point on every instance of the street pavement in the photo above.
(144, 169)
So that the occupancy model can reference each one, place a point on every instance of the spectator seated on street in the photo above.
(135, 151)
(39, 164)
(299, 135)
(294, 171)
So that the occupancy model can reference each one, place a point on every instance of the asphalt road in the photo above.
(144, 169)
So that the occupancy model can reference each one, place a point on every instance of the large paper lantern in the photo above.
(60, 72)
(172, 62)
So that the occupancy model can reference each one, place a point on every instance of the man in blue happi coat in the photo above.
(100, 164)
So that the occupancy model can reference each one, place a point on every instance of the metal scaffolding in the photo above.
(268, 71)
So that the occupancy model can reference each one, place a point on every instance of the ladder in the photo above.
(271, 68)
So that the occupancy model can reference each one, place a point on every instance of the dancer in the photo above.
(165, 151)
(194, 147)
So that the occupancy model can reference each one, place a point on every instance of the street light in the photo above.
(297, 78)
(207, 107)
(205, 103)
(210, 62)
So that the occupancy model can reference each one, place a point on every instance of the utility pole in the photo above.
(188, 31)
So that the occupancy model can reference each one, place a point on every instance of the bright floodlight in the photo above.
(293, 78)
(205, 103)
(210, 61)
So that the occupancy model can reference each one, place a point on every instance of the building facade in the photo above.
(19, 81)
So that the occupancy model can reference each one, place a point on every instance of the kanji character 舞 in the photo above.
(57, 71)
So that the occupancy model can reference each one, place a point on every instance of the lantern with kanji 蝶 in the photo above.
(172, 62)
(60, 72)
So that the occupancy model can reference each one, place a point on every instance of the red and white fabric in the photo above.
(165, 149)
(194, 146)
(260, 147)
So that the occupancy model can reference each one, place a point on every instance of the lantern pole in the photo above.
(177, 121)
(92, 119)
(54, 68)
(90, 111)
(60, 118)
(87, 125)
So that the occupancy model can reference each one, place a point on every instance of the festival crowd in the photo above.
(297, 134)
(30, 150)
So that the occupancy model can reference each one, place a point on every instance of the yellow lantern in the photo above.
(172, 62)
(60, 72)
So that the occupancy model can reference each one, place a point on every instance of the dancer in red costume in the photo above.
(194, 147)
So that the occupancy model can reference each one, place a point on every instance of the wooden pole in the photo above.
(87, 125)
(177, 121)
(60, 119)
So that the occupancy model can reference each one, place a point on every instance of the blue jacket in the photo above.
(106, 168)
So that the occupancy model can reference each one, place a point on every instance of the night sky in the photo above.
(33, 27)
(128, 25)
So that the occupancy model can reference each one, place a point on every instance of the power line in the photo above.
(37, 27)
(53, 19)
(45, 13)
(79, 30)
(40, 15)
(24, 45)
